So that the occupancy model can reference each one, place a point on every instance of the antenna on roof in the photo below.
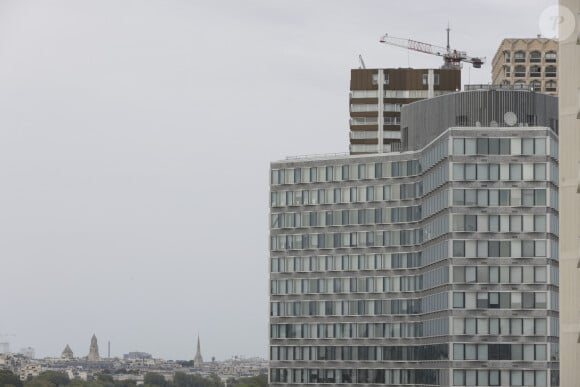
(448, 30)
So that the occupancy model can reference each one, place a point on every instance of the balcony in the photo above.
(357, 121)
(392, 135)
(363, 148)
(359, 108)
(364, 135)
(392, 121)
(372, 134)
(364, 94)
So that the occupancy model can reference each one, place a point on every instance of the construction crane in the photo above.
(362, 62)
(452, 58)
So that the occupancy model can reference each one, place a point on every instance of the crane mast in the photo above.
(452, 58)
(362, 62)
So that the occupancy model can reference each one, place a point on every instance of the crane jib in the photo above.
(419, 46)
(450, 56)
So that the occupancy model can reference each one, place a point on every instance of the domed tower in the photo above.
(67, 353)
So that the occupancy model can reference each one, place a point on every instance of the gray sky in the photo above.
(135, 140)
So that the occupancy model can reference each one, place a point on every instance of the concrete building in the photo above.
(527, 63)
(28, 352)
(137, 355)
(29, 371)
(569, 100)
(375, 110)
(434, 266)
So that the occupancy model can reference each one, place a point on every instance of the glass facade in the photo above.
(436, 267)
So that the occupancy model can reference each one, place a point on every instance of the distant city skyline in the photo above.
(135, 146)
(93, 350)
(30, 352)
(132, 366)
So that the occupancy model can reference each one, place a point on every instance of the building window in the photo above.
(425, 79)
(375, 80)
(535, 57)
(519, 85)
(459, 248)
(536, 85)
(459, 300)
(551, 72)
(535, 71)
(506, 56)
(519, 56)
(515, 171)
(520, 71)
(458, 146)
(507, 71)
(551, 86)
(551, 56)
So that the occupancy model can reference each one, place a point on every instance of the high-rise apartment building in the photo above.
(435, 266)
(527, 63)
(569, 100)
(376, 97)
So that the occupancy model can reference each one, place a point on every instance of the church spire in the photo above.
(197, 360)
(93, 350)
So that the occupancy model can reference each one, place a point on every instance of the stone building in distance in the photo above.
(527, 63)
(93, 350)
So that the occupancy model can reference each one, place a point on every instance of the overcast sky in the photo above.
(135, 141)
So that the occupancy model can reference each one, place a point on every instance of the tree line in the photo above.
(151, 379)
